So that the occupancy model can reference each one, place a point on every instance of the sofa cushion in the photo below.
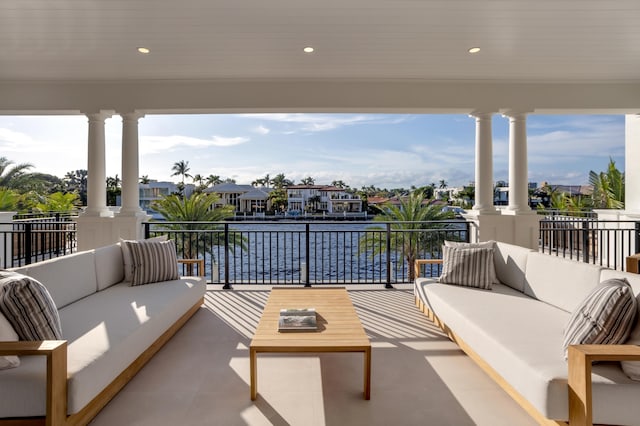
(109, 266)
(606, 316)
(29, 308)
(469, 267)
(8, 334)
(153, 261)
(511, 262)
(68, 278)
(560, 282)
(126, 255)
(484, 244)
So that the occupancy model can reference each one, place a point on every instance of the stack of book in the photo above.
(299, 319)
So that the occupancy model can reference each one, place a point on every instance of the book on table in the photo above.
(297, 319)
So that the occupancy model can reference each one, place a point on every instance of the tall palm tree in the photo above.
(608, 187)
(145, 180)
(199, 207)
(411, 229)
(181, 168)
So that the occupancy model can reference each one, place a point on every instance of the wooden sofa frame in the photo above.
(580, 360)
(56, 353)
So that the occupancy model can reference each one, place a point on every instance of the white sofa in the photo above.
(515, 332)
(110, 329)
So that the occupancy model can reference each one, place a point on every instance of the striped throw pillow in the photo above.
(8, 334)
(153, 261)
(468, 267)
(605, 316)
(484, 244)
(28, 306)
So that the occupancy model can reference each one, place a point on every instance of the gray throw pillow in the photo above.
(28, 307)
(153, 261)
(126, 255)
(605, 316)
(467, 267)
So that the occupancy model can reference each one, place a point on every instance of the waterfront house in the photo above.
(322, 198)
(243, 198)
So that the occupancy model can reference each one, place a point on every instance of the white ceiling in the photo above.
(521, 40)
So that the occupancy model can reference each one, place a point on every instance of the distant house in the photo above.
(322, 198)
(154, 190)
(243, 198)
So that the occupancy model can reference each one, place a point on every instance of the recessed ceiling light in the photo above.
(143, 50)
(308, 49)
(474, 50)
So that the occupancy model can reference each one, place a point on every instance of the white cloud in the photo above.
(325, 122)
(262, 130)
(155, 144)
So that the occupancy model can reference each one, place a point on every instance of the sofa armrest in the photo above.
(418, 262)
(56, 353)
(190, 263)
(580, 358)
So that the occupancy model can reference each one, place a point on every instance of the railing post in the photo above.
(585, 241)
(307, 283)
(388, 283)
(27, 243)
(637, 248)
(226, 285)
(147, 230)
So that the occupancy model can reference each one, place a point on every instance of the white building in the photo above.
(322, 198)
(243, 198)
(154, 190)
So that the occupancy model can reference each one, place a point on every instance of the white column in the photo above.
(130, 165)
(518, 173)
(96, 168)
(632, 159)
(484, 163)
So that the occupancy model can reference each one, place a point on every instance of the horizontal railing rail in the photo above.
(310, 252)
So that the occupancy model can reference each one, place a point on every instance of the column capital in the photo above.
(131, 115)
(482, 115)
(98, 115)
(516, 114)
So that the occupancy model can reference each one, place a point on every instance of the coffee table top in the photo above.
(339, 328)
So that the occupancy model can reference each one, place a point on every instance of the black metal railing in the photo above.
(309, 252)
(25, 241)
(599, 242)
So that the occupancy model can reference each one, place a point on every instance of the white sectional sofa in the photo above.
(515, 333)
(110, 330)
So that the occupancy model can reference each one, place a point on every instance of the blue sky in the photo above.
(384, 150)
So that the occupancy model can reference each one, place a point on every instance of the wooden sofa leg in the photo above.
(580, 408)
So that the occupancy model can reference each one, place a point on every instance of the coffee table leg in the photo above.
(253, 373)
(367, 373)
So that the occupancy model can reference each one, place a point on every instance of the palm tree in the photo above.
(199, 207)
(59, 202)
(308, 181)
(213, 180)
(181, 168)
(278, 198)
(411, 215)
(13, 175)
(608, 187)
(113, 190)
(198, 179)
(76, 181)
(145, 180)
(443, 184)
(279, 181)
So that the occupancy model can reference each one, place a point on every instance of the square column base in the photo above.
(508, 227)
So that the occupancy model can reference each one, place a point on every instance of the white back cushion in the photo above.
(67, 278)
(109, 266)
(511, 262)
(560, 282)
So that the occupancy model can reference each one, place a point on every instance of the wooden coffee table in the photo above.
(339, 328)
